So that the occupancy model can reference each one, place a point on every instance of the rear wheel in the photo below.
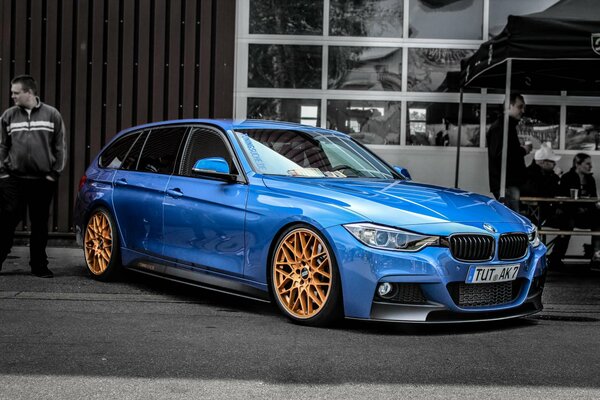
(304, 278)
(101, 246)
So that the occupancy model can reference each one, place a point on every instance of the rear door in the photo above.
(204, 217)
(139, 188)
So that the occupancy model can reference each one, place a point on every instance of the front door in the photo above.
(204, 217)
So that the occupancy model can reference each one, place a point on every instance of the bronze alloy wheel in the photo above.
(98, 243)
(302, 273)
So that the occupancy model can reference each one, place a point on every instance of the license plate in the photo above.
(492, 273)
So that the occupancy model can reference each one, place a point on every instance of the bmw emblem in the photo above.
(489, 228)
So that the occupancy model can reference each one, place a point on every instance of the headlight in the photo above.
(383, 237)
(534, 238)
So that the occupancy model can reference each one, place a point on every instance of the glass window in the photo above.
(501, 9)
(365, 68)
(428, 68)
(303, 111)
(131, 161)
(284, 66)
(203, 143)
(540, 124)
(313, 154)
(286, 17)
(115, 153)
(370, 18)
(160, 150)
(369, 122)
(440, 19)
(583, 128)
(436, 124)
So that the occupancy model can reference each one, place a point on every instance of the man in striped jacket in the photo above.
(32, 156)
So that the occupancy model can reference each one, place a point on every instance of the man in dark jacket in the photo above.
(32, 156)
(515, 162)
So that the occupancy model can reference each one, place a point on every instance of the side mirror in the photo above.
(403, 171)
(214, 167)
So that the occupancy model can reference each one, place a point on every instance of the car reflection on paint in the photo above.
(307, 218)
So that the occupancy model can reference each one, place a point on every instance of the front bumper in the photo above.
(435, 273)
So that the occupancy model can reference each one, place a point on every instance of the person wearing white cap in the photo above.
(541, 180)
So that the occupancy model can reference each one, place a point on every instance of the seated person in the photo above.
(578, 215)
(542, 181)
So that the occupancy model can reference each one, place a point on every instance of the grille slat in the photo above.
(512, 246)
(472, 247)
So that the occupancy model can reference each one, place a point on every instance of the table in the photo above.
(532, 205)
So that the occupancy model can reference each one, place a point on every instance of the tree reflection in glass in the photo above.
(372, 18)
(284, 66)
(286, 17)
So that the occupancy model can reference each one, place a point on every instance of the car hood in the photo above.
(403, 203)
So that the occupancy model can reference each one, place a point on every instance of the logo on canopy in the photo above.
(596, 43)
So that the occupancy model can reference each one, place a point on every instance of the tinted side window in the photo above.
(160, 150)
(115, 153)
(131, 160)
(203, 143)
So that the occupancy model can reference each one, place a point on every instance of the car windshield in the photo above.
(310, 154)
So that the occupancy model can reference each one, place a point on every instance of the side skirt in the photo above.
(197, 277)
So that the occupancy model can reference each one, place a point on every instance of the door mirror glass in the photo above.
(211, 164)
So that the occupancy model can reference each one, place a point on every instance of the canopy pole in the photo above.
(505, 131)
(460, 117)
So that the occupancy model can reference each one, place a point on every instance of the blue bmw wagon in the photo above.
(307, 218)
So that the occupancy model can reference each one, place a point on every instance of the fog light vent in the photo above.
(405, 293)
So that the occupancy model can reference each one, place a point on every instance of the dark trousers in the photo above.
(35, 196)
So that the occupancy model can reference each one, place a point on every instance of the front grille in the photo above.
(512, 246)
(472, 247)
(406, 293)
(484, 294)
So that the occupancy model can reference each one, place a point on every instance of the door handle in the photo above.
(121, 181)
(174, 192)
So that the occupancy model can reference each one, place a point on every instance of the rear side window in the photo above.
(115, 153)
(160, 150)
(131, 160)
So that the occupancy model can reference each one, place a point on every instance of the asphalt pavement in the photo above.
(71, 337)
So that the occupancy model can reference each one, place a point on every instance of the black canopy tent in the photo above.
(556, 49)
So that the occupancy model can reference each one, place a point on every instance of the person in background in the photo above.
(542, 181)
(578, 215)
(32, 156)
(515, 161)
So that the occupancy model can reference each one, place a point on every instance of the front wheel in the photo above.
(304, 278)
(101, 246)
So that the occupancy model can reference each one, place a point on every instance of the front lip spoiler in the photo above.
(438, 314)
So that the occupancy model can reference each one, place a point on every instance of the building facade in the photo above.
(377, 70)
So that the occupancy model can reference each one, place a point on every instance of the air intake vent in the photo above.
(484, 294)
(472, 247)
(512, 246)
